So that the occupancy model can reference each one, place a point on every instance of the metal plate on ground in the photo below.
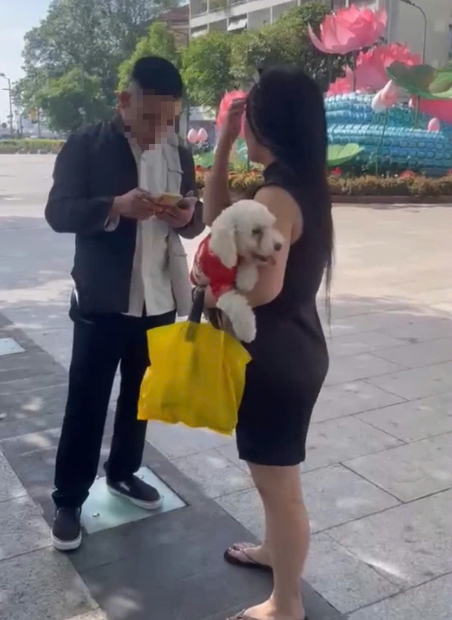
(8, 346)
(103, 511)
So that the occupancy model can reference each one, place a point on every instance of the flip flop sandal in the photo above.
(250, 563)
(242, 616)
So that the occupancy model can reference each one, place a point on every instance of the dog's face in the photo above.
(246, 230)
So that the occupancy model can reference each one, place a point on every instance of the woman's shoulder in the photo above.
(283, 205)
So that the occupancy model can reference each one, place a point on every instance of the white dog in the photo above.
(242, 239)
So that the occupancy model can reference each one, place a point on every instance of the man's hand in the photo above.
(136, 205)
(180, 215)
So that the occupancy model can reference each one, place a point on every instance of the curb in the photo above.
(392, 200)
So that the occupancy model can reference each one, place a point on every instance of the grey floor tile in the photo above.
(231, 453)
(22, 528)
(420, 354)
(411, 471)
(189, 584)
(43, 585)
(174, 441)
(10, 486)
(339, 440)
(214, 473)
(15, 447)
(246, 508)
(337, 401)
(414, 420)
(356, 344)
(26, 385)
(418, 382)
(408, 545)
(422, 329)
(342, 579)
(363, 366)
(335, 495)
(37, 402)
(431, 601)
(29, 425)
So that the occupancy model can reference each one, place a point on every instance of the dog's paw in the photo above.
(247, 276)
(241, 315)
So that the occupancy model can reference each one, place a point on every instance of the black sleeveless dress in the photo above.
(290, 357)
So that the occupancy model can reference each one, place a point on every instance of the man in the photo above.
(130, 275)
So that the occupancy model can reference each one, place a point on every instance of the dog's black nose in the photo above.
(278, 246)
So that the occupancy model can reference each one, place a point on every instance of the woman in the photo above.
(285, 131)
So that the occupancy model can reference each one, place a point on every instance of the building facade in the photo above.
(406, 23)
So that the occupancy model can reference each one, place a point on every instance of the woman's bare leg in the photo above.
(287, 540)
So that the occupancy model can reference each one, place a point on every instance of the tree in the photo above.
(93, 36)
(71, 100)
(206, 69)
(286, 41)
(159, 41)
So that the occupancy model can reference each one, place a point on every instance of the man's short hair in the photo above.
(159, 76)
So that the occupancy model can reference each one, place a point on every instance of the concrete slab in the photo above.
(412, 471)
(349, 398)
(408, 545)
(358, 367)
(343, 579)
(339, 440)
(414, 420)
(420, 354)
(43, 584)
(431, 600)
(10, 486)
(213, 473)
(177, 440)
(417, 383)
(22, 528)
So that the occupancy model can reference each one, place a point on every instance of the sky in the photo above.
(16, 18)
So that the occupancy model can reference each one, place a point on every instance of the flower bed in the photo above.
(409, 185)
(11, 146)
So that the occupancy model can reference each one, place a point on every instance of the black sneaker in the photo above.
(137, 492)
(67, 531)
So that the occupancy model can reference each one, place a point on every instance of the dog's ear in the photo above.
(223, 242)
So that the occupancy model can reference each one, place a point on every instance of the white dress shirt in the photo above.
(151, 288)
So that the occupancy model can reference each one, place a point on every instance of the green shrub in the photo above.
(30, 146)
(245, 184)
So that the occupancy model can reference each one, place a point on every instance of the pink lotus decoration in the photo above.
(441, 110)
(370, 73)
(434, 125)
(349, 30)
(386, 97)
(226, 103)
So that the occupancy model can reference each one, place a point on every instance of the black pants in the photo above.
(101, 343)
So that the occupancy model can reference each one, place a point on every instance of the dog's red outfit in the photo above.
(207, 265)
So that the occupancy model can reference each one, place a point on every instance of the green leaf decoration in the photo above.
(422, 80)
(339, 154)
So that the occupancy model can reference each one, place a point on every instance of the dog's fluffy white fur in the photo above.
(244, 235)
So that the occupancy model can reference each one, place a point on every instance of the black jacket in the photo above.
(94, 166)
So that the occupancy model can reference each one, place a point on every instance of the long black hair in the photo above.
(286, 113)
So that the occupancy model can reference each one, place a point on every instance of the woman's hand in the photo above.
(233, 123)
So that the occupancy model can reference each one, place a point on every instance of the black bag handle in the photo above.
(198, 294)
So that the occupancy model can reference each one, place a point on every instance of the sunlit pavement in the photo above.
(378, 479)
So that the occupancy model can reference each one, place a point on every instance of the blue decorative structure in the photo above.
(389, 139)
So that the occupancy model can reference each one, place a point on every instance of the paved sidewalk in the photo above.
(378, 479)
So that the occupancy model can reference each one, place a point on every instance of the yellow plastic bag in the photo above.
(197, 376)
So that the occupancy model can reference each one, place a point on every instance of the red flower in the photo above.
(336, 172)
(407, 174)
